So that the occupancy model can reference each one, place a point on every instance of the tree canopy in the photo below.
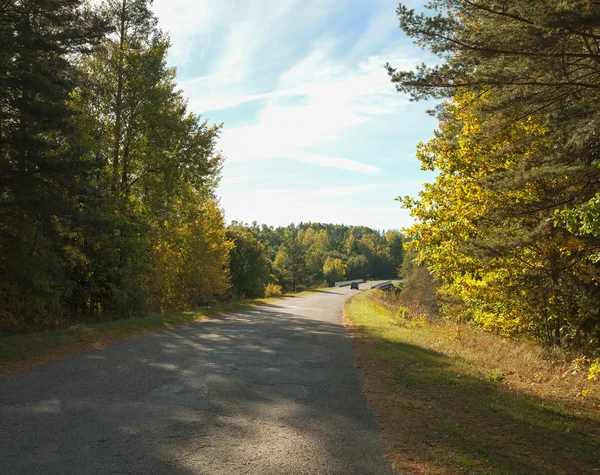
(106, 180)
(510, 224)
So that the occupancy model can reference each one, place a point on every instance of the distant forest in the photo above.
(307, 255)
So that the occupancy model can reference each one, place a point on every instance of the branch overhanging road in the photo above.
(269, 391)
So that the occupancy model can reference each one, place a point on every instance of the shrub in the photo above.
(594, 370)
(419, 292)
(273, 290)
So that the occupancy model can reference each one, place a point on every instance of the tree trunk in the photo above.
(119, 101)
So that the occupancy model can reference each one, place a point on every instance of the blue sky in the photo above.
(313, 129)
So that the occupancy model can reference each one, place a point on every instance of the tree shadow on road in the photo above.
(262, 390)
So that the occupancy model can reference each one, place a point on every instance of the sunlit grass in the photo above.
(461, 401)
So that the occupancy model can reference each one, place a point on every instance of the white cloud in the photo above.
(313, 73)
(335, 97)
(381, 28)
(295, 195)
(331, 162)
(316, 99)
(222, 101)
(181, 19)
(236, 180)
(241, 33)
(328, 205)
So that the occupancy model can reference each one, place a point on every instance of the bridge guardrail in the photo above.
(383, 285)
(349, 282)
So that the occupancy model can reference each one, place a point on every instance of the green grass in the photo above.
(444, 410)
(24, 350)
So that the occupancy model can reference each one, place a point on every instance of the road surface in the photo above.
(267, 391)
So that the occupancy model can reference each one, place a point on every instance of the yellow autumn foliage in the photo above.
(190, 257)
(502, 262)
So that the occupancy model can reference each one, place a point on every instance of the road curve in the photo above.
(268, 391)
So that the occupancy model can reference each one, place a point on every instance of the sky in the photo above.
(313, 130)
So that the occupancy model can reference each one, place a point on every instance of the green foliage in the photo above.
(358, 267)
(249, 266)
(42, 170)
(157, 170)
(509, 225)
(309, 254)
(106, 181)
(290, 260)
(395, 244)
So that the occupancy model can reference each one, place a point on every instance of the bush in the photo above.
(273, 290)
(594, 370)
(419, 292)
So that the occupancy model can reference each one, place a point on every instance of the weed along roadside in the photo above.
(475, 404)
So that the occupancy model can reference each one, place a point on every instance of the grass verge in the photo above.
(23, 350)
(453, 402)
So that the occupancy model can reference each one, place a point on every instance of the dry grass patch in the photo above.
(457, 400)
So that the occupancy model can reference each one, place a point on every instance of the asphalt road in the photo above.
(268, 391)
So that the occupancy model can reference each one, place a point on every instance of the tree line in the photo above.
(307, 255)
(510, 227)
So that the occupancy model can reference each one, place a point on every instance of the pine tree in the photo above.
(43, 174)
(538, 59)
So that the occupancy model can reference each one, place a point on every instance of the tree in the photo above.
(358, 268)
(316, 244)
(303, 254)
(536, 59)
(153, 155)
(106, 181)
(538, 52)
(395, 245)
(190, 257)
(501, 261)
(291, 261)
(249, 266)
(334, 270)
(381, 265)
(43, 174)
(509, 225)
